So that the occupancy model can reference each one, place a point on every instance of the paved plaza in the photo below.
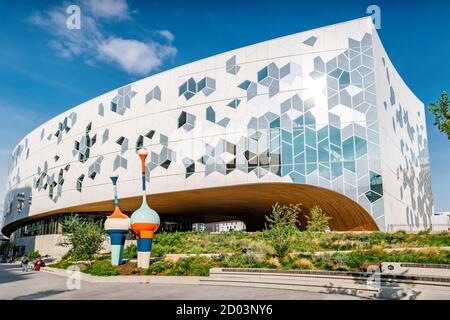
(14, 284)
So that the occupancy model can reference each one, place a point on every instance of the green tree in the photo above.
(281, 226)
(84, 237)
(318, 220)
(6, 247)
(441, 114)
(283, 215)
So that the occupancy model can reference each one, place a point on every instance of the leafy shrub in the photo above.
(240, 261)
(62, 264)
(283, 216)
(6, 247)
(160, 267)
(130, 252)
(425, 232)
(84, 237)
(274, 262)
(357, 259)
(33, 254)
(280, 239)
(263, 248)
(171, 239)
(304, 263)
(192, 266)
(101, 267)
(318, 221)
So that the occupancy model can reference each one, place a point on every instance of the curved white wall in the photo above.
(306, 106)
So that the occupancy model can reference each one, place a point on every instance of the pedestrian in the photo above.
(24, 264)
(37, 265)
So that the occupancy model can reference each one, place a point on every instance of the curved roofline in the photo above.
(183, 65)
(386, 55)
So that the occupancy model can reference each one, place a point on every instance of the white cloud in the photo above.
(166, 34)
(68, 43)
(107, 8)
(135, 56)
(93, 45)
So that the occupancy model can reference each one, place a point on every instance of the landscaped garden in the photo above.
(280, 246)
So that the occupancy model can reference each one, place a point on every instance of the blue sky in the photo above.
(46, 69)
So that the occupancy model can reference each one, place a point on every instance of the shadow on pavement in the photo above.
(39, 295)
(12, 273)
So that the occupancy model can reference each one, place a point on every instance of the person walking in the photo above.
(24, 264)
(37, 265)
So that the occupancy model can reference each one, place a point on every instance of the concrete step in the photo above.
(322, 280)
(292, 286)
(356, 284)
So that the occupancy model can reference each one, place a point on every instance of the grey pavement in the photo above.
(15, 284)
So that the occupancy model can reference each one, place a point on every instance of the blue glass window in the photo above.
(286, 136)
(286, 169)
(322, 133)
(300, 168)
(349, 151)
(298, 131)
(192, 86)
(324, 172)
(182, 119)
(344, 80)
(201, 84)
(299, 121)
(335, 136)
(286, 153)
(300, 159)
(275, 123)
(310, 137)
(372, 196)
(262, 74)
(311, 155)
(350, 165)
(323, 151)
(336, 169)
(244, 85)
(182, 89)
(299, 144)
(376, 183)
(335, 153)
(309, 118)
(336, 73)
(210, 114)
(360, 147)
(275, 144)
(311, 167)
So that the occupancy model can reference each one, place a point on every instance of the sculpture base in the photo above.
(117, 243)
(143, 260)
(116, 254)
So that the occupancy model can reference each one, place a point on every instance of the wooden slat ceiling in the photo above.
(247, 202)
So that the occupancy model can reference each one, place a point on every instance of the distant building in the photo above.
(440, 221)
(198, 227)
(225, 226)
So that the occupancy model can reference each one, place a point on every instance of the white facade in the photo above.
(441, 221)
(226, 226)
(314, 108)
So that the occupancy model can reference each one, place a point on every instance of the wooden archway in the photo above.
(247, 202)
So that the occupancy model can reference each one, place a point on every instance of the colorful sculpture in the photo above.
(144, 221)
(117, 226)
